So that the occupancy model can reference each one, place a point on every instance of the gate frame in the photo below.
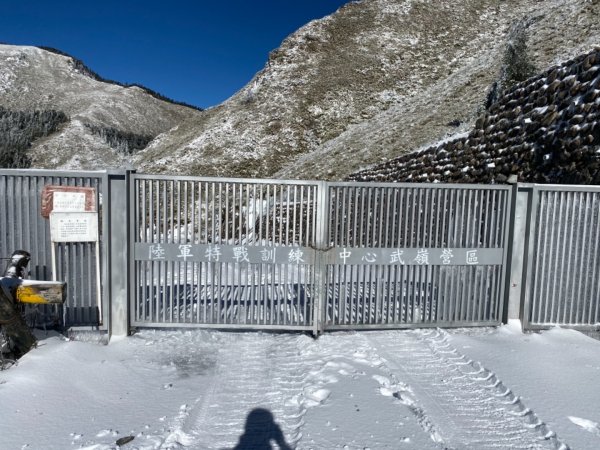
(318, 243)
(506, 250)
(323, 254)
(530, 211)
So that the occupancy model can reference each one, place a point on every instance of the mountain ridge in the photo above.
(33, 79)
(372, 81)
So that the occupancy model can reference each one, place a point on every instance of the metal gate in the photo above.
(314, 255)
(308, 255)
(416, 255)
(224, 253)
(563, 270)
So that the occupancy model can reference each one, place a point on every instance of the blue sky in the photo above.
(198, 52)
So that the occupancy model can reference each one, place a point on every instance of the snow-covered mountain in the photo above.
(374, 80)
(105, 122)
(367, 83)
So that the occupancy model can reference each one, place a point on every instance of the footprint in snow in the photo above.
(107, 432)
(586, 424)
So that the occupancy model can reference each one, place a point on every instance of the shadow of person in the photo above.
(260, 430)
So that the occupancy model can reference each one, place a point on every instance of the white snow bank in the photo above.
(556, 373)
(378, 390)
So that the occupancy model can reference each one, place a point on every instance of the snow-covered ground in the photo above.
(417, 389)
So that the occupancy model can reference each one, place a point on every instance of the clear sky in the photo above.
(197, 52)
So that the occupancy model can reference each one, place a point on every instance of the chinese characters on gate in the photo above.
(294, 255)
(421, 256)
(219, 253)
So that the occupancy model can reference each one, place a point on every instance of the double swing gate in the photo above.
(268, 254)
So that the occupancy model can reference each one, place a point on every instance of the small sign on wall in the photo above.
(73, 218)
(67, 199)
(73, 227)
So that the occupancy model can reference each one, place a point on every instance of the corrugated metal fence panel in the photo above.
(565, 263)
(226, 253)
(22, 227)
(422, 282)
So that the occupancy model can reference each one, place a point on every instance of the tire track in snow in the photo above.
(218, 419)
(459, 402)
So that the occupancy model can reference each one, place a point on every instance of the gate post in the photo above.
(321, 245)
(116, 259)
(525, 208)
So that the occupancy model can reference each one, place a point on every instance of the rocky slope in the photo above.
(545, 130)
(376, 79)
(106, 122)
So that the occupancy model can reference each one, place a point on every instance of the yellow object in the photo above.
(40, 292)
(29, 294)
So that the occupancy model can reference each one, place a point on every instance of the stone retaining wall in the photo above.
(543, 130)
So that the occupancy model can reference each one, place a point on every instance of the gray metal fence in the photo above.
(416, 255)
(22, 227)
(563, 270)
(307, 255)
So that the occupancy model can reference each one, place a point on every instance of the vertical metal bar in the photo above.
(447, 238)
(281, 201)
(551, 274)
(246, 235)
(301, 239)
(3, 216)
(469, 210)
(222, 238)
(471, 274)
(295, 238)
(187, 305)
(19, 211)
(505, 243)
(379, 221)
(429, 221)
(172, 234)
(153, 238)
(498, 229)
(459, 269)
(361, 216)
(536, 303)
(287, 215)
(581, 272)
(267, 215)
(321, 221)
(419, 230)
(273, 219)
(202, 267)
(194, 239)
(565, 275)
(352, 224)
(595, 299)
(575, 228)
(569, 284)
(398, 294)
(355, 288)
(387, 223)
(161, 237)
(241, 233)
(531, 230)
